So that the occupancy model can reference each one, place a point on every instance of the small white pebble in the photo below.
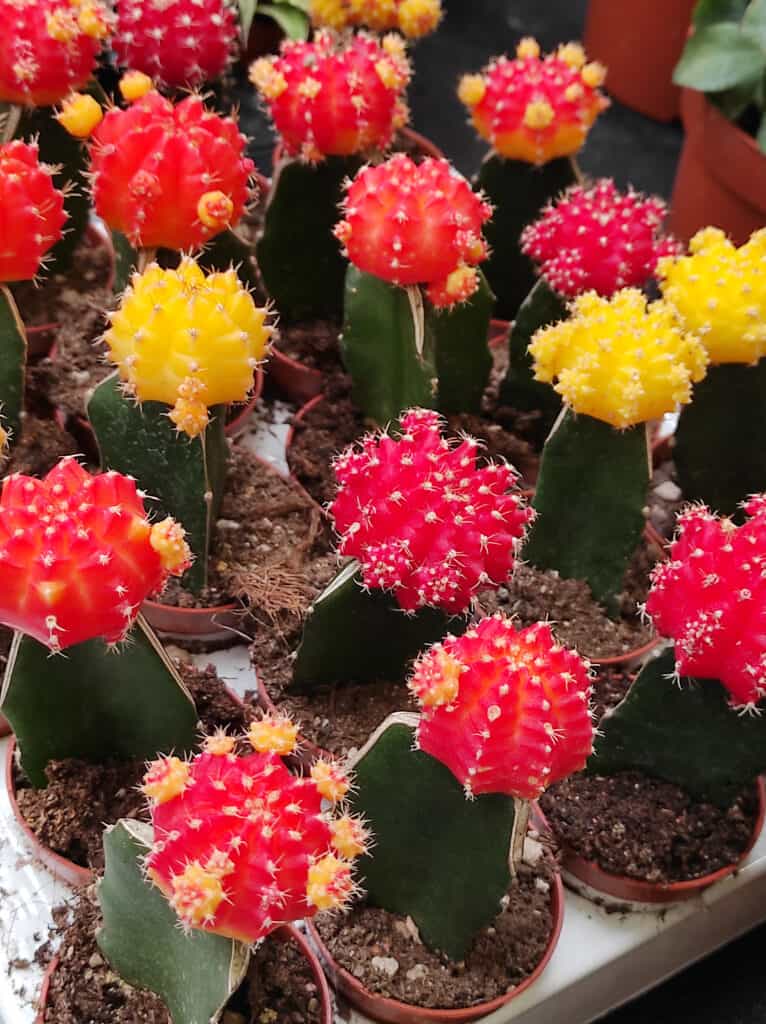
(388, 965)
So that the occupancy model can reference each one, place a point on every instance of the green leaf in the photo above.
(687, 734)
(13, 364)
(709, 12)
(720, 57)
(754, 21)
(293, 22)
(439, 858)
(733, 102)
(247, 9)
(463, 360)
(194, 972)
(94, 703)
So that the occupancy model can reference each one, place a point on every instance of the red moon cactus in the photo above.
(31, 211)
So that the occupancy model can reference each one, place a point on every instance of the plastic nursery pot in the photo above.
(640, 60)
(392, 1011)
(286, 933)
(297, 382)
(5, 728)
(591, 881)
(721, 177)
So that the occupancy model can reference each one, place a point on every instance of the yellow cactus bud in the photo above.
(379, 15)
(349, 836)
(61, 26)
(329, 883)
(539, 114)
(443, 682)
(197, 894)
(165, 779)
(274, 734)
(214, 209)
(188, 340)
(269, 82)
(593, 74)
(79, 115)
(219, 744)
(394, 46)
(134, 85)
(391, 74)
(618, 359)
(528, 47)
(329, 13)
(572, 54)
(167, 539)
(719, 292)
(471, 89)
(419, 17)
(331, 781)
(92, 22)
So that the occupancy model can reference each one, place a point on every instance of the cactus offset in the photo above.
(179, 43)
(425, 521)
(48, 48)
(597, 238)
(153, 163)
(413, 18)
(333, 98)
(32, 210)
(78, 555)
(241, 846)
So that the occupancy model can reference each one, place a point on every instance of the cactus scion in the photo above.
(31, 211)
(413, 18)
(506, 709)
(241, 846)
(597, 238)
(425, 521)
(78, 555)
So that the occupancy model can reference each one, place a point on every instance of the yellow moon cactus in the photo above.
(720, 294)
(188, 339)
(619, 360)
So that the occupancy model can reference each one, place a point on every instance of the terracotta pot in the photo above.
(392, 1011)
(499, 332)
(286, 933)
(297, 382)
(721, 178)
(5, 728)
(591, 881)
(220, 622)
(640, 42)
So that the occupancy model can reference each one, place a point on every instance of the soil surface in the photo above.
(313, 344)
(635, 825)
(384, 952)
(279, 987)
(69, 815)
(42, 445)
(610, 686)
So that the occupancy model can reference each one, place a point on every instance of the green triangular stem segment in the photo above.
(463, 360)
(13, 363)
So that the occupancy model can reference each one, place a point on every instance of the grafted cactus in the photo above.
(413, 18)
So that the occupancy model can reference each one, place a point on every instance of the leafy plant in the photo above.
(291, 15)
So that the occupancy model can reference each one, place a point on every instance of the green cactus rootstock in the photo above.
(94, 703)
(193, 972)
(463, 359)
(353, 635)
(13, 363)
(439, 858)
(299, 257)
(518, 388)
(591, 493)
(518, 191)
(719, 450)
(685, 733)
(141, 441)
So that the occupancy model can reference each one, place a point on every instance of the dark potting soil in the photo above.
(503, 955)
(313, 344)
(69, 815)
(279, 987)
(635, 825)
(42, 444)
(610, 686)
(266, 531)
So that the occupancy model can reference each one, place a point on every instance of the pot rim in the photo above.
(299, 382)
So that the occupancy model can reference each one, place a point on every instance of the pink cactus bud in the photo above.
(334, 96)
(31, 211)
(241, 846)
(505, 709)
(709, 597)
(599, 239)
(178, 42)
(48, 48)
(424, 520)
(78, 555)
(153, 163)
(414, 223)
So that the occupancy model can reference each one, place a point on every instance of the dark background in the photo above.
(730, 986)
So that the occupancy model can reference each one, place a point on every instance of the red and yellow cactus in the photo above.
(334, 97)
(413, 18)
(166, 175)
(720, 294)
(709, 598)
(411, 223)
(187, 339)
(32, 211)
(78, 555)
(506, 709)
(536, 108)
(620, 359)
(597, 238)
(241, 846)
(425, 521)
(178, 42)
(48, 48)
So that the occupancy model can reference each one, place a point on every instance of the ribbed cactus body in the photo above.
(413, 18)
(154, 162)
(48, 48)
(31, 211)
(505, 709)
(178, 42)
(597, 238)
(78, 555)
(425, 521)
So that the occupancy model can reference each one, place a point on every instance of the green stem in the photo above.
(13, 361)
